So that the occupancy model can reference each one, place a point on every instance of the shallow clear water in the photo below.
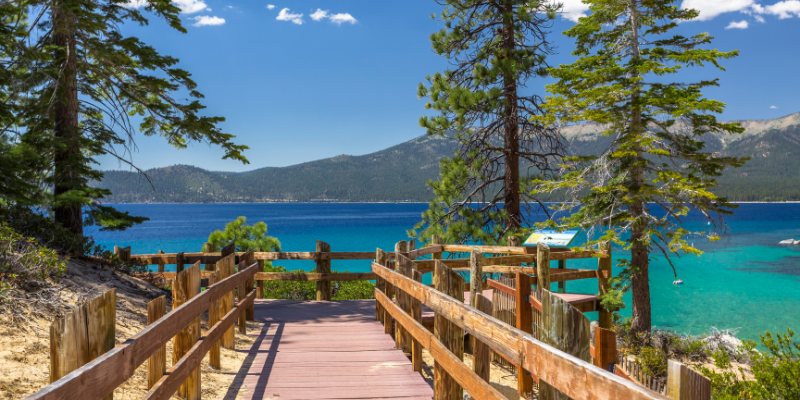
(745, 281)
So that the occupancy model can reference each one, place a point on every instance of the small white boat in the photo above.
(789, 242)
(677, 282)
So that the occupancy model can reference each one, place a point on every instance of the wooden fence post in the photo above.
(524, 322)
(161, 263)
(380, 284)
(475, 276)
(179, 262)
(388, 323)
(323, 267)
(400, 248)
(416, 313)
(605, 318)
(82, 335)
(209, 248)
(542, 267)
(186, 286)
(241, 292)
(605, 348)
(214, 310)
(262, 285)
(157, 363)
(684, 383)
(249, 313)
(562, 285)
(565, 328)
(481, 353)
(450, 334)
(225, 269)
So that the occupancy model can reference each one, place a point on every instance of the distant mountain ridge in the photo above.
(400, 173)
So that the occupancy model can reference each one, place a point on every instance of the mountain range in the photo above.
(400, 173)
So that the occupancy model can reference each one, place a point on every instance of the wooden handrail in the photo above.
(572, 376)
(101, 376)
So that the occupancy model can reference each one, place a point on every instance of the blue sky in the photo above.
(343, 80)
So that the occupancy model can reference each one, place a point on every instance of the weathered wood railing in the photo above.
(398, 294)
(99, 377)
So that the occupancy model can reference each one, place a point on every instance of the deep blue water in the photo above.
(744, 281)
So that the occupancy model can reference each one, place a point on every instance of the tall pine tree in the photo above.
(655, 170)
(496, 49)
(92, 89)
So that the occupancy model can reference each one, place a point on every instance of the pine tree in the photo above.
(655, 170)
(91, 90)
(496, 48)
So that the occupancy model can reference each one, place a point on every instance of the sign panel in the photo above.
(551, 238)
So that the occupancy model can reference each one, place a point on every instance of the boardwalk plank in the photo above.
(327, 350)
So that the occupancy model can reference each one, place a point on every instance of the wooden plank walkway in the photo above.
(326, 350)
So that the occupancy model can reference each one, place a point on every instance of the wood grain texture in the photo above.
(450, 283)
(575, 377)
(225, 268)
(157, 363)
(186, 286)
(323, 267)
(684, 383)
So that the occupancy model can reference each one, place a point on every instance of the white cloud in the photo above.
(773, 107)
(743, 24)
(190, 6)
(270, 6)
(711, 8)
(784, 9)
(573, 9)
(337, 18)
(208, 20)
(288, 16)
(319, 14)
(343, 18)
(186, 6)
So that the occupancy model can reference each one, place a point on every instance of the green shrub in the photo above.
(24, 263)
(653, 361)
(246, 237)
(353, 290)
(776, 371)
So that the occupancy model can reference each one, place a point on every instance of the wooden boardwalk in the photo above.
(326, 350)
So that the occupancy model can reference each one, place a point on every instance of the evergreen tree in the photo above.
(655, 170)
(496, 49)
(91, 89)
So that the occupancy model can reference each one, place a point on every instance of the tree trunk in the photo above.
(67, 157)
(510, 127)
(640, 252)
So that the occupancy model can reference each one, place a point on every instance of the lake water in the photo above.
(745, 281)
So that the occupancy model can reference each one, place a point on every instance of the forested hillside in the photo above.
(399, 173)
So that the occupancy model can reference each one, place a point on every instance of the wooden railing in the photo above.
(99, 377)
(398, 295)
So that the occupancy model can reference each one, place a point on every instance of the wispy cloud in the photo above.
(287, 15)
(336, 18)
(784, 9)
(743, 24)
(270, 6)
(319, 14)
(208, 20)
(186, 6)
(709, 9)
(773, 107)
(342, 18)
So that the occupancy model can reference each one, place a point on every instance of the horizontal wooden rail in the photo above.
(315, 276)
(101, 376)
(455, 367)
(207, 258)
(572, 376)
(169, 383)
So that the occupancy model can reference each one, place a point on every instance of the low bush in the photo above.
(24, 263)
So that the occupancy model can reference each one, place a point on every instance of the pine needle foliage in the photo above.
(627, 80)
(495, 48)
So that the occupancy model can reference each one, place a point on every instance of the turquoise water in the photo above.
(745, 281)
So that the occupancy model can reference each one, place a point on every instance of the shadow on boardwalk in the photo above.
(324, 350)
